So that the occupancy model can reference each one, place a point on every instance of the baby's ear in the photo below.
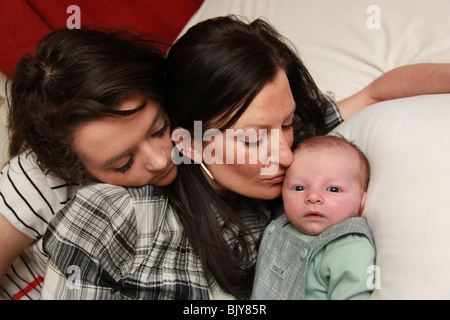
(363, 202)
(186, 144)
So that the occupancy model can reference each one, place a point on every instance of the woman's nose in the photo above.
(280, 154)
(285, 152)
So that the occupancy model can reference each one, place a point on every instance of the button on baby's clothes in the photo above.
(303, 253)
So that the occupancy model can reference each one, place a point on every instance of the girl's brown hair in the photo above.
(74, 77)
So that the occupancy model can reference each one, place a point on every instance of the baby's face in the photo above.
(321, 188)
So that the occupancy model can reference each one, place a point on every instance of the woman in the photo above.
(87, 105)
(199, 238)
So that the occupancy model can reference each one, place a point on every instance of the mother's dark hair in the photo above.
(74, 77)
(221, 64)
(214, 72)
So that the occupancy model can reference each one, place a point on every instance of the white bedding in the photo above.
(332, 37)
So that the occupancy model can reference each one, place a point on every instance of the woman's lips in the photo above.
(275, 179)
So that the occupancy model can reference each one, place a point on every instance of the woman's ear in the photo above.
(186, 144)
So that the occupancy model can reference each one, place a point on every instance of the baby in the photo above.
(321, 248)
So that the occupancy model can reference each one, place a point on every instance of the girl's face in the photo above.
(256, 151)
(131, 150)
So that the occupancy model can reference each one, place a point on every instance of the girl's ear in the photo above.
(186, 144)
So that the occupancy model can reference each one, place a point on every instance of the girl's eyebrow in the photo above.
(109, 162)
(125, 113)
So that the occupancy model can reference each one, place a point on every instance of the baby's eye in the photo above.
(333, 189)
(299, 188)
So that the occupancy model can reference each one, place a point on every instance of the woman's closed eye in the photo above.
(289, 122)
(162, 131)
(253, 137)
(253, 143)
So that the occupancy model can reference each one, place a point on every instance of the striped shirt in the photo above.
(29, 199)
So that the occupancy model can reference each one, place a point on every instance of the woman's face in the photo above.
(131, 150)
(256, 150)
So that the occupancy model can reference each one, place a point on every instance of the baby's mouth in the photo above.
(314, 215)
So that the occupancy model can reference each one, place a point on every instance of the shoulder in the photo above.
(109, 197)
(100, 225)
(350, 242)
(351, 251)
(98, 222)
(23, 172)
(29, 197)
(22, 167)
(100, 212)
(106, 202)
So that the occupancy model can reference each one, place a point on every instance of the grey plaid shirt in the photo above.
(332, 114)
(113, 242)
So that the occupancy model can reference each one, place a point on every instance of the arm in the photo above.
(13, 242)
(23, 215)
(401, 82)
(345, 267)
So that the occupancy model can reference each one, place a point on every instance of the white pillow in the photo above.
(407, 142)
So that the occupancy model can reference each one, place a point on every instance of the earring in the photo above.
(206, 170)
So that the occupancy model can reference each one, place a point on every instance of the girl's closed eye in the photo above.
(127, 165)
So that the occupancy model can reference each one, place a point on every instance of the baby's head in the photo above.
(326, 184)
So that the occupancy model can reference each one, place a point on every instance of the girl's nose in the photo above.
(155, 159)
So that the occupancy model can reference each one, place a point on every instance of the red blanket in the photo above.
(24, 22)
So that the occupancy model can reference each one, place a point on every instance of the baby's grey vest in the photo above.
(283, 258)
